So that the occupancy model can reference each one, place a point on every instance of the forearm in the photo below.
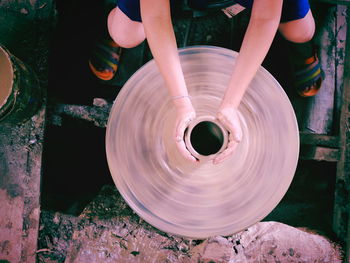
(161, 39)
(256, 43)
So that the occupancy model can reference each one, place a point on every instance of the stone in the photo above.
(277, 242)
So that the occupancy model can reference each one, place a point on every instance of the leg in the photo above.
(124, 31)
(298, 27)
(307, 71)
(299, 31)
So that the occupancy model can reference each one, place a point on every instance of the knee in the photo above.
(124, 40)
(301, 36)
(123, 31)
(299, 31)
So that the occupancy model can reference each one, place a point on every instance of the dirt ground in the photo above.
(76, 184)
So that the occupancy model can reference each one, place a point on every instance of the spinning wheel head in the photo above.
(201, 200)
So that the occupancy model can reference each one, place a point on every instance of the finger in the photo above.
(180, 131)
(226, 153)
(232, 125)
(181, 127)
(231, 146)
(237, 132)
(184, 152)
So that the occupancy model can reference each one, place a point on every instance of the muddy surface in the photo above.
(109, 231)
(106, 229)
(25, 33)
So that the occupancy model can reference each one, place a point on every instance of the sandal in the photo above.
(104, 60)
(309, 79)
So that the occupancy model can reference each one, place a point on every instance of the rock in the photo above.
(99, 102)
(213, 250)
(277, 242)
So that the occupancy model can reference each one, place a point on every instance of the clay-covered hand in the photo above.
(184, 116)
(228, 117)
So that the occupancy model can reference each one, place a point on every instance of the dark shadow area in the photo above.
(80, 24)
(75, 166)
(309, 200)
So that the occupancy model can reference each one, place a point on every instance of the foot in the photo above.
(104, 60)
(309, 76)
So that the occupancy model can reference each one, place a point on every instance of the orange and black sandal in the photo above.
(308, 80)
(104, 60)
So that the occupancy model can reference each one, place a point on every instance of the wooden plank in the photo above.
(315, 114)
(339, 63)
(319, 139)
(20, 172)
(341, 210)
(318, 153)
(97, 115)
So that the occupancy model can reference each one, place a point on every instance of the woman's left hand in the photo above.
(228, 117)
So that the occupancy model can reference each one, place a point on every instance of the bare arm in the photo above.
(161, 39)
(160, 35)
(261, 30)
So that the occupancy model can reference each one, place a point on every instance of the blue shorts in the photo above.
(131, 8)
(291, 10)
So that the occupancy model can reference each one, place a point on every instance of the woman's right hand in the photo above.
(185, 114)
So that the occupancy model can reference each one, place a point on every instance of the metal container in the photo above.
(20, 94)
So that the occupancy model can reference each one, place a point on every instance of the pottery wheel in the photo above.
(203, 200)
